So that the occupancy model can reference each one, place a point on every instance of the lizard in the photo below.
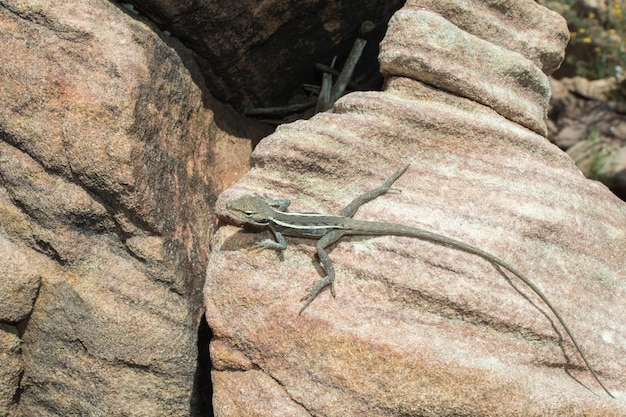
(262, 212)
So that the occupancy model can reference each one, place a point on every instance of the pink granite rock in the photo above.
(105, 199)
(19, 284)
(11, 369)
(425, 46)
(417, 328)
(524, 27)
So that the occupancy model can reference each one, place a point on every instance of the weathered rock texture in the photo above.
(417, 328)
(490, 73)
(105, 213)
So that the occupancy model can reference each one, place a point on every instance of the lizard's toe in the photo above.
(314, 290)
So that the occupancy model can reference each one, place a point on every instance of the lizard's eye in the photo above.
(248, 213)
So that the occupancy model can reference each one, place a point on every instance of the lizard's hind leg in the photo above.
(329, 280)
(331, 237)
(354, 205)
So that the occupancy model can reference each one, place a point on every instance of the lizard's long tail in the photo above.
(375, 228)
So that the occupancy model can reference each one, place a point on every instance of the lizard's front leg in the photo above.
(325, 241)
(280, 244)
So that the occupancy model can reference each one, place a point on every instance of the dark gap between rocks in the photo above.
(256, 55)
(201, 404)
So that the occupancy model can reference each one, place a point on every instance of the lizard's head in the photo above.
(252, 210)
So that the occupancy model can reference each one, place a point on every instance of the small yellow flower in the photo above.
(612, 31)
(587, 40)
(592, 15)
(582, 30)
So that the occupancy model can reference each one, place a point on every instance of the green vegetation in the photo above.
(597, 46)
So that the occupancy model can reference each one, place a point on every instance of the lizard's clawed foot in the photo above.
(254, 247)
(265, 244)
(316, 289)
